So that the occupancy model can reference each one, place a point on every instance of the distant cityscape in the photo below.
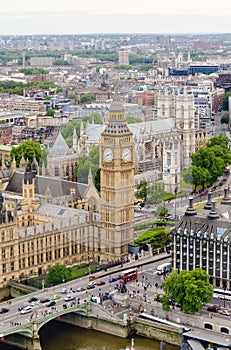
(165, 90)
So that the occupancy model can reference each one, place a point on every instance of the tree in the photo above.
(72, 96)
(50, 112)
(224, 119)
(190, 289)
(87, 98)
(57, 274)
(95, 117)
(67, 132)
(155, 193)
(132, 120)
(206, 166)
(142, 189)
(161, 210)
(28, 149)
(87, 162)
(225, 101)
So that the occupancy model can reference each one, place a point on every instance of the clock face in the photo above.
(107, 155)
(126, 155)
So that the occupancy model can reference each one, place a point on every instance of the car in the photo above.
(3, 310)
(69, 297)
(64, 290)
(112, 279)
(90, 286)
(212, 309)
(100, 283)
(51, 303)
(91, 278)
(22, 307)
(26, 310)
(80, 289)
(44, 300)
(56, 297)
(92, 283)
(32, 299)
(224, 312)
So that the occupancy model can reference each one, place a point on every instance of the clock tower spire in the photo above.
(117, 165)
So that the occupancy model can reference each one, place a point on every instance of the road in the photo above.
(144, 289)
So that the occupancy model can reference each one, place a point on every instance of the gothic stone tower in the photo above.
(117, 184)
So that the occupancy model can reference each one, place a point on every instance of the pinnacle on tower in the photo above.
(90, 177)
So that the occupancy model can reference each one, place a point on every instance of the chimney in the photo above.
(190, 210)
(208, 205)
(213, 213)
(226, 199)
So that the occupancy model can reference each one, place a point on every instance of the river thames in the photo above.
(58, 336)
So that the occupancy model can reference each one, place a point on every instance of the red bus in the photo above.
(128, 275)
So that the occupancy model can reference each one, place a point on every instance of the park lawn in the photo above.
(147, 235)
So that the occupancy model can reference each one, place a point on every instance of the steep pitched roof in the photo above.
(58, 187)
(60, 147)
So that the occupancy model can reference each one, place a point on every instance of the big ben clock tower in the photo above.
(117, 184)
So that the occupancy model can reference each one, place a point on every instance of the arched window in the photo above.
(208, 326)
(224, 330)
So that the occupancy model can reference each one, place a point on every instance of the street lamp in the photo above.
(224, 296)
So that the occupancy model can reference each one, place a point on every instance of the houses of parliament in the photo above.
(52, 219)
(46, 220)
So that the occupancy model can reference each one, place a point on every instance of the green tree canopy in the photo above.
(132, 120)
(87, 98)
(208, 163)
(94, 117)
(57, 274)
(50, 112)
(142, 189)
(161, 210)
(155, 193)
(87, 162)
(28, 149)
(67, 132)
(225, 101)
(224, 119)
(190, 289)
(32, 71)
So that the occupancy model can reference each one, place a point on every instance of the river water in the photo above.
(59, 336)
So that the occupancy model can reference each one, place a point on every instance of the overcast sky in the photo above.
(114, 16)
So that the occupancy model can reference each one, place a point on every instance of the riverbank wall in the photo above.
(103, 321)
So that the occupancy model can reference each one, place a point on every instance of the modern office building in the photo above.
(123, 57)
(203, 239)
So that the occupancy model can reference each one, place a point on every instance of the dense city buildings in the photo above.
(170, 92)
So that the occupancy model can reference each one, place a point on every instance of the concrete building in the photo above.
(203, 239)
(123, 57)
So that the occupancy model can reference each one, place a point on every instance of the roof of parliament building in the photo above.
(57, 186)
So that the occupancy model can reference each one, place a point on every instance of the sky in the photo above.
(114, 16)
